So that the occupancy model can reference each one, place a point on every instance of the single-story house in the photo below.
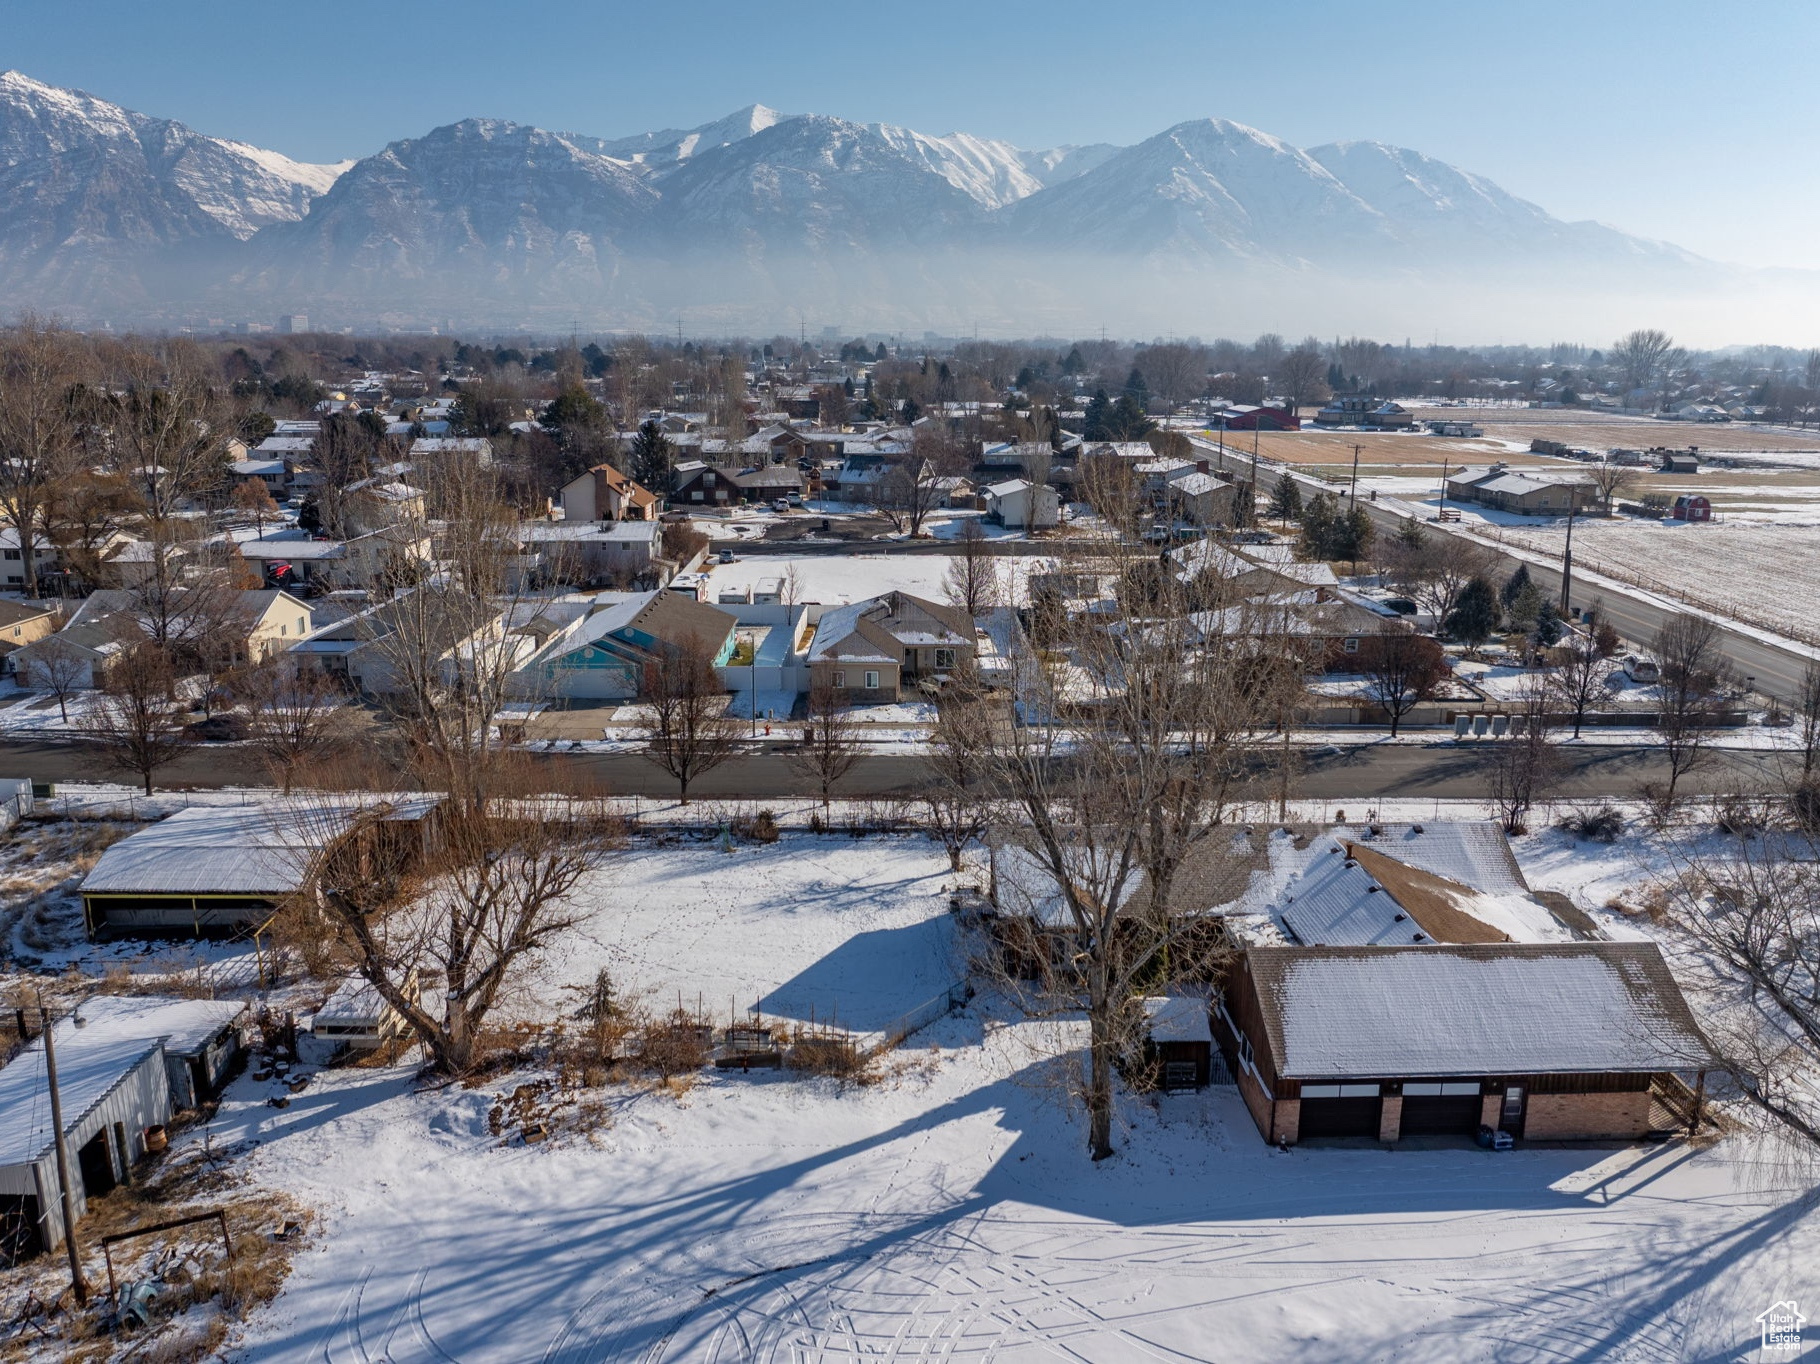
(1545, 1041)
(477, 448)
(1373, 414)
(872, 650)
(607, 654)
(1019, 504)
(1201, 497)
(594, 552)
(1503, 489)
(603, 493)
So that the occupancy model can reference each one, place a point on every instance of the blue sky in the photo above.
(1696, 123)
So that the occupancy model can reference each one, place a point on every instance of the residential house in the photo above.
(699, 484)
(477, 448)
(398, 553)
(1019, 504)
(12, 560)
(1503, 489)
(608, 653)
(597, 553)
(274, 475)
(603, 493)
(374, 504)
(22, 624)
(873, 650)
(1372, 414)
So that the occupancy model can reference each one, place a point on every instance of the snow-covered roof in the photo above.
(1024, 884)
(1178, 1018)
(240, 850)
(1503, 1009)
(186, 1025)
(87, 1072)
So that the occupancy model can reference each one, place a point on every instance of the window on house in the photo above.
(840, 679)
(871, 680)
(944, 658)
(1351, 646)
(15, 577)
(13, 554)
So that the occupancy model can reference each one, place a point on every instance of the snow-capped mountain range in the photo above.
(109, 213)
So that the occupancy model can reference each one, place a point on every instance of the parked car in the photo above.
(219, 729)
(725, 556)
(782, 504)
(1495, 1138)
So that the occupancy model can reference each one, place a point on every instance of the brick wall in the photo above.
(1562, 1117)
(1390, 1118)
(1253, 1095)
(1491, 1110)
(1288, 1121)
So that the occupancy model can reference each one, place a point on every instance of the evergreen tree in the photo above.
(880, 353)
(1318, 519)
(1353, 534)
(1099, 415)
(1525, 608)
(1136, 389)
(912, 410)
(1286, 501)
(1410, 534)
(1475, 615)
(1513, 586)
(1549, 625)
(1075, 362)
(309, 517)
(1127, 421)
(653, 459)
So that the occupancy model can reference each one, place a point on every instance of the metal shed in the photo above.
(113, 1088)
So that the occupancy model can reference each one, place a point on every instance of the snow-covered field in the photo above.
(1766, 574)
(836, 929)
(835, 578)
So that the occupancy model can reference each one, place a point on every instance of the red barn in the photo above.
(1691, 507)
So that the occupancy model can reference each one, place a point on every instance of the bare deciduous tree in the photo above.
(1526, 764)
(133, 719)
(1807, 717)
(972, 580)
(1161, 720)
(1437, 570)
(39, 431)
(954, 796)
(1401, 670)
(474, 906)
(831, 744)
(689, 733)
(1753, 917)
(1578, 679)
(61, 669)
(297, 715)
(1694, 672)
(1611, 480)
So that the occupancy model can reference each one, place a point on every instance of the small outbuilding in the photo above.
(113, 1088)
(1179, 1041)
(1691, 507)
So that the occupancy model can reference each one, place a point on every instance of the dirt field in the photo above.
(1602, 431)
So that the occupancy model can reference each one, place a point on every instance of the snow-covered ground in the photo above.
(947, 1210)
(950, 1213)
(854, 931)
(835, 578)
(1767, 574)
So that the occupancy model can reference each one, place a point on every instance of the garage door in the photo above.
(1440, 1109)
(1340, 1111)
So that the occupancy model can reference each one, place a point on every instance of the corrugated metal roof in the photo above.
(238, 850)
(87, 1072)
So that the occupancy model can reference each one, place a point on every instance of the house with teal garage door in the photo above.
(606, 654)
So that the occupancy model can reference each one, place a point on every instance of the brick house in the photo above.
(1546, 1041)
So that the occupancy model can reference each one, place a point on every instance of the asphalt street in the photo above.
(1441, 770)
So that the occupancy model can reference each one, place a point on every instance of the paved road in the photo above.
(1776, 669)
(1439, 771)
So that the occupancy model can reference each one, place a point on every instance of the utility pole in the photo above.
(1567, 556)
(1353, 496)
(77, 1282)
(1443, 482)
